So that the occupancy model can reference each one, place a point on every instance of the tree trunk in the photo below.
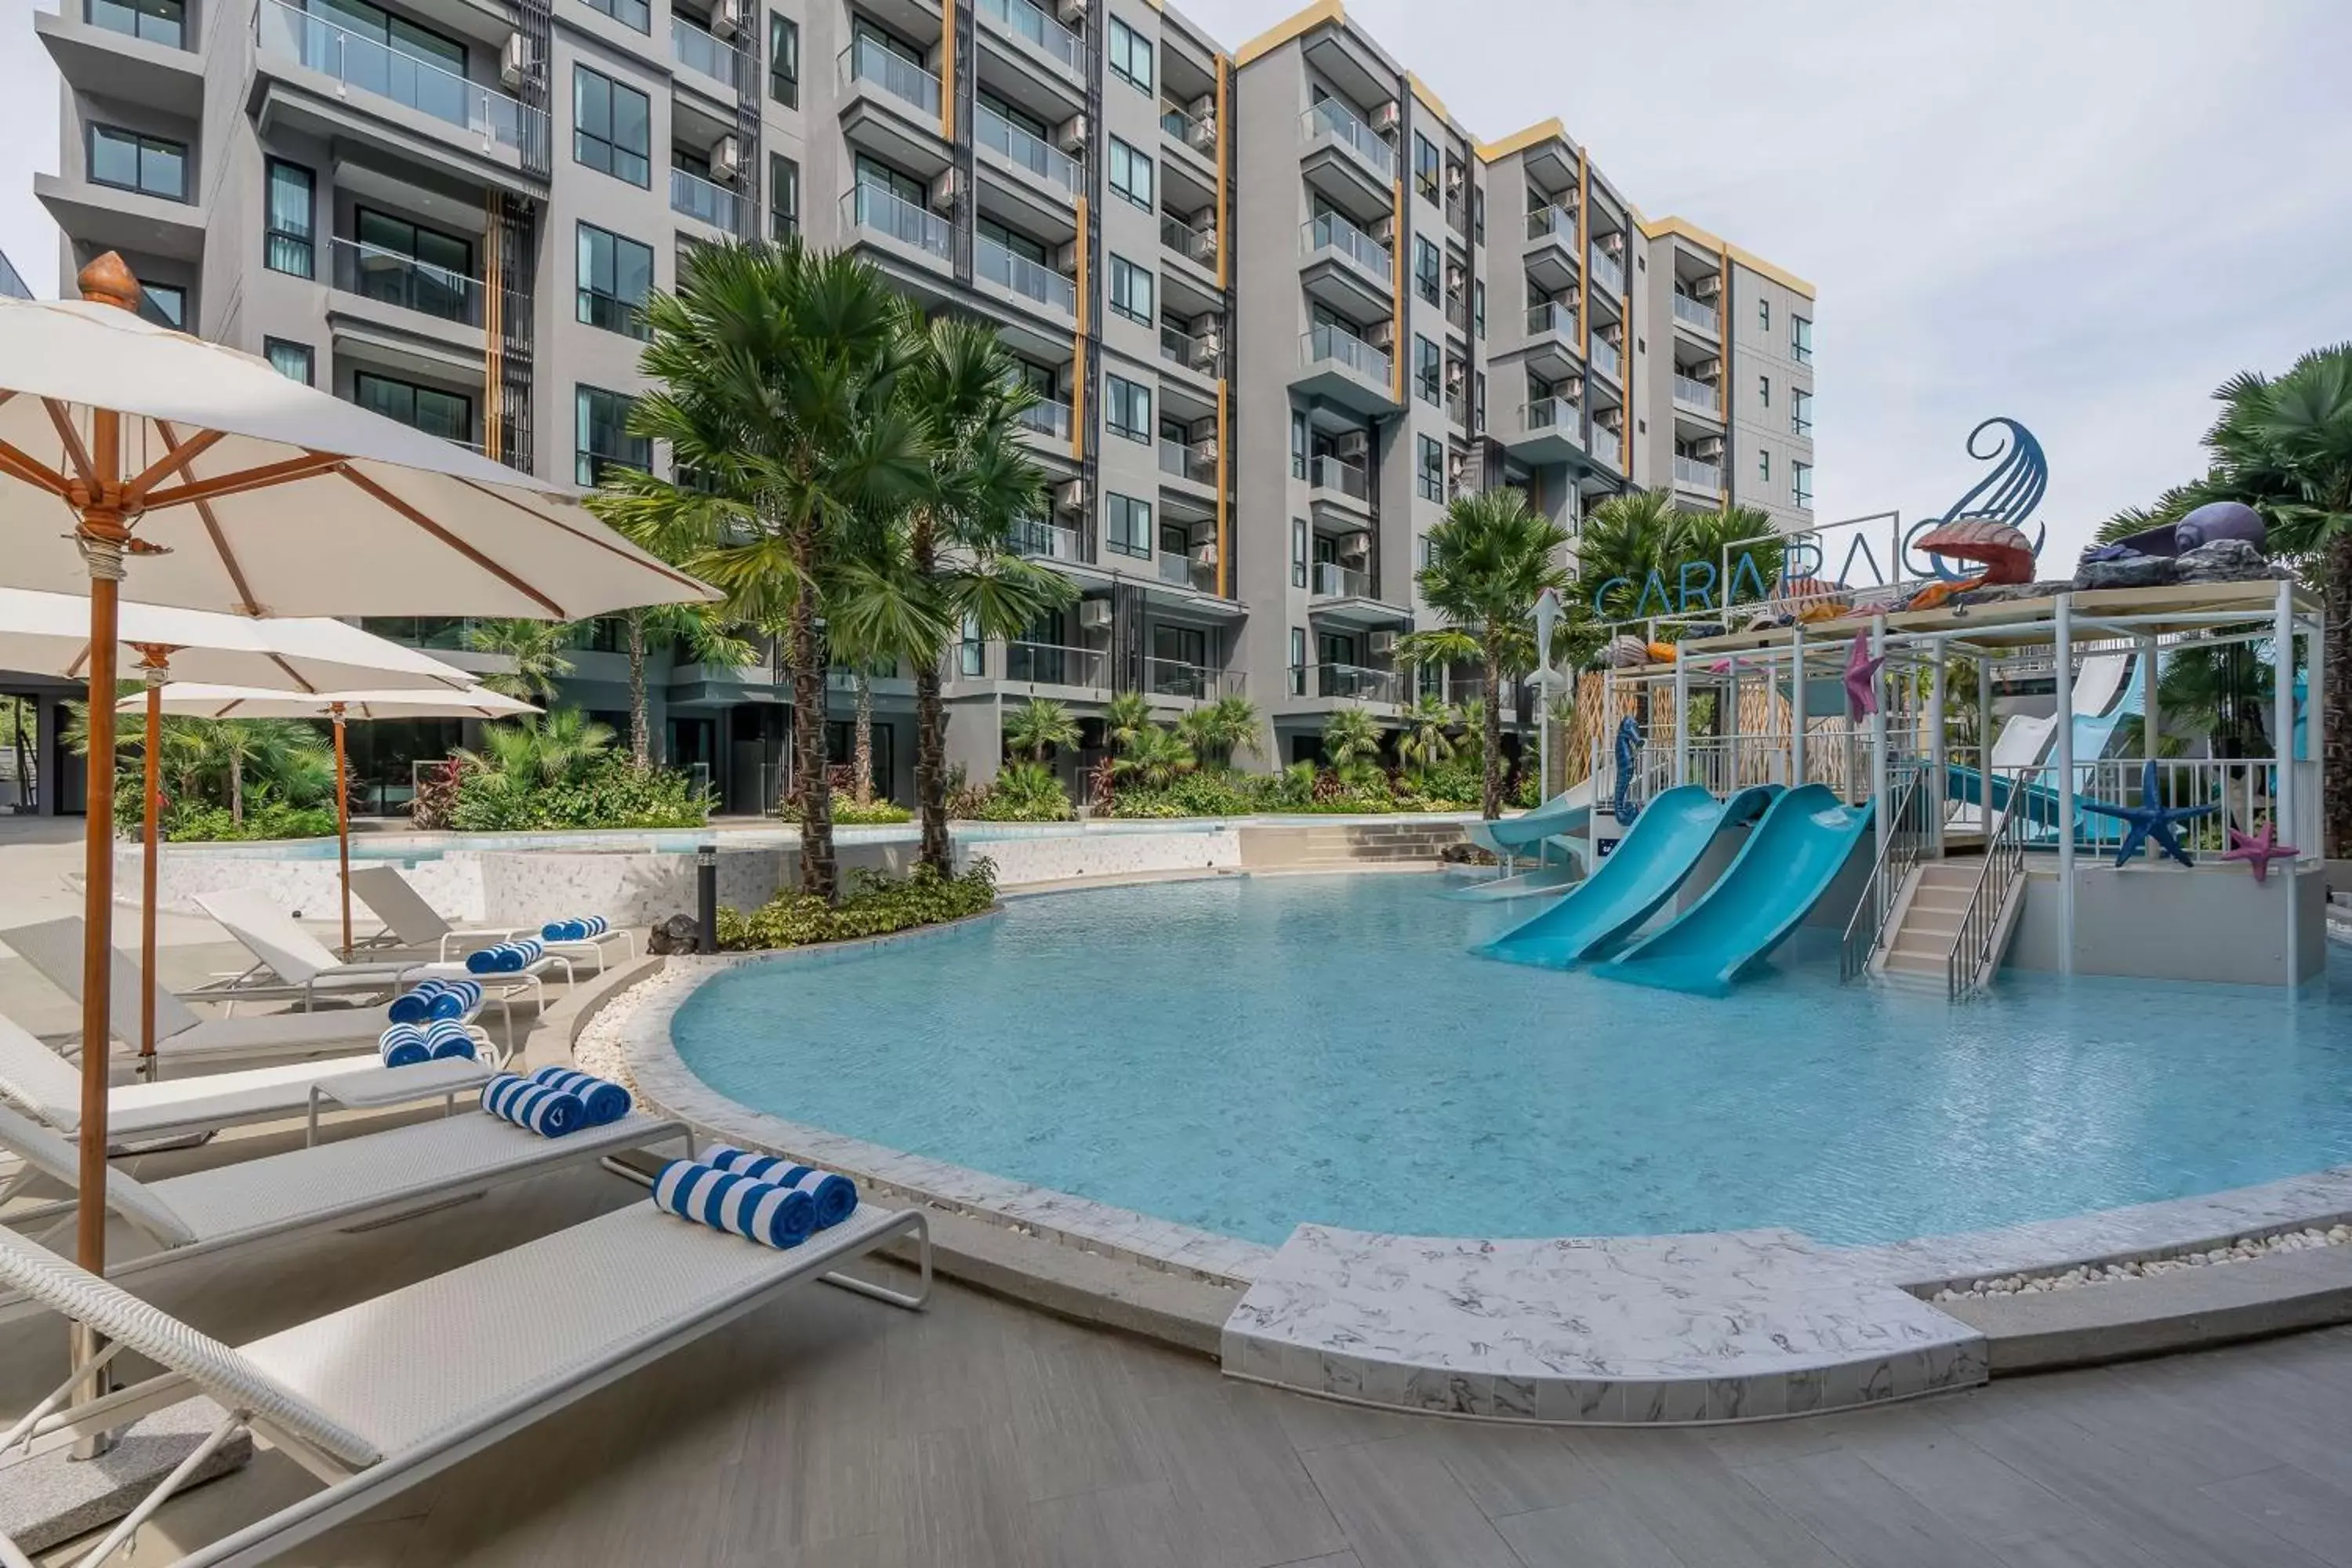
(862, 755)
(2336, 747)
(641, 741)
(236, 790)
(1490, 729)
(930, 728)
(819, 874)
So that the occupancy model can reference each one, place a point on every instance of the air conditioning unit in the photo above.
(1457, 468)
(1613, 242)
(1455, 277)
(1352, 447)
(1203, 133)
(1356, 548)
(1202, 107)
(514, 61)
(1708, 288)
(1385, 117)
(1066, 259)
(1071, 495)
(1705, 370)
(1572, 389)
(1383, 644)
(947, 190)
(1454, 178)
(1205, 554)
(1205, 352)
(1207, 448)
(1708, 449)
(1072, 137)
(1454, 372)
(1381, 334)
(1072, 12)
(1384, 230)
(1094, 615)
(727, 161)
(1212, 335)
(726, 18)
(1204, 245)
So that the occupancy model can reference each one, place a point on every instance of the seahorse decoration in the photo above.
(1628, 745)
(1984, 525)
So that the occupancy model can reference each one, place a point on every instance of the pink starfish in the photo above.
(1862, 680)
(2259, 850)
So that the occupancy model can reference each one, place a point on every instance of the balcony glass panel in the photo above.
(1606, 357)
(1607, 272)
(868, 61)
(694, 196)
(1697, 474)
(1018, 147)
(1331, 474)
(1334, 343)
(1701, 316)
(1332, 232)
(1333, 581)
(1184, 572)
(1001, 266)
(1358, 683)
(1042, 540)
(372, 66)
(1697, 394)
(1334, 118)
(703, 51)
(1047, 417)
(1038, 30)
(376, 273)
(1050, 666)
(886, 212)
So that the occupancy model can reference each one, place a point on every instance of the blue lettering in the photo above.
(1655, 583)
(1862, 544)
(1802, 559)
(1745, 571)
(1706, 593)
(1602, 593)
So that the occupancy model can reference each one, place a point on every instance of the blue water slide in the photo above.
(1563, 812)
(1627, 887)
(1787, 863)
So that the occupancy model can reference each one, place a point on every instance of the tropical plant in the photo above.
(1490, 559)
(1350, 741)
(1125, 718)
(1025, 792)
(1428, 737)
(1040, 727)
(1154, 758)
(223, 764)
(541, 748)
(1634, 546)
(674, 523)
(777, 377)
(873, 906)
(540, 650)
(1220, 730)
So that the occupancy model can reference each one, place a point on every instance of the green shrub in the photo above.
(874, 905)
(264, 819)
(872, 814)
(612, 792)
(1023, 792)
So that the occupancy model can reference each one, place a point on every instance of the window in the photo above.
(1130, 290)
(784, 60)
(166, 304)
(1764, 464)
(1429, 479)
(1130, 410)
(604, 438)
(1130, 174)
(157, 21)
(1425, 166)
(294, 362)
(1425, 267)
(784, 197)
(1131, 56)
(1425, 369)
(1478, 405)
(637, 13)
(1800, 412)
(1298, 661)
(1764, 314)
(1130, 526)
(1764, 391)
(1297, 553)
(612, 128)
(1297, 444)
(1801, 477)
(1801, 339)
(1478, 309)
(448, 415)
(129, 162)
(616, 276)
(290, 225)
(419, 269)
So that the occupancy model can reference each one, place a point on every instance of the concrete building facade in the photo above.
(1280, 305)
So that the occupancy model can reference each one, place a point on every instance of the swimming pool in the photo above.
(1244, 1054)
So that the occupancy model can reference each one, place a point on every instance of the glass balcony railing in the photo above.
(1039, 31)
(1333, 233)
(1697, 474)
(1551, 317)
(1335, 343)
(997, 265)
(1603, 356)
(1047, 417)
(1334, 118)
(700, 50)
(1608, 445)
(1692, 392)
(1358, 683)
(371, 66)
(1042, 541)
(1194, 353)
(1181, 571)
(1333, 581)
(1193, 244)
(697, 197)
(1024, 151)
(1697, 314)
(1197, 132)
(1331, 474)
(1186, 461)
(165, 24)
(1554, 223)
(1549, 414)
(374, 273)
(1047, 664)
(868, 61)
(1174, 677)
(1608, 271)
(878, 210)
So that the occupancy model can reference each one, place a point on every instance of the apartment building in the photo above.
(1278, 304)
(12, 283)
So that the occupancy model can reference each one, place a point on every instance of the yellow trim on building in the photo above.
(1542, 130)
(1428, 100)
(1401, 331)
(1282, 32)
(1225, 195)
(1079, 346)
(947, 69)
(1686, 229)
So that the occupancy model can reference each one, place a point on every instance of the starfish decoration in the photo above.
(2259, 850)
(2150, 820)
(1862, 680)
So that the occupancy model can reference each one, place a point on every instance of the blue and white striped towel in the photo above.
(404, 1045)
(723, 1200)
(510, 957)
(454, 999)
(605, 1100)
(447, 1039)
(587, 929)
(835, 1195)
(549, 1112)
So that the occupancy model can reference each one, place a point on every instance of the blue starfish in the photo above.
(2150, 820)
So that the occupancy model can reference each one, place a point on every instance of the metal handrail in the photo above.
(1971, 958)
(1907, 842)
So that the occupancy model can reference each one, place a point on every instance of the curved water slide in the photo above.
(1787, 863)
(2107, 691)
(1648, 864)
(1510, 838)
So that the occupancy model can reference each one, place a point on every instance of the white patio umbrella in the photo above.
(49, 633)
(129, 450)
(247, 702)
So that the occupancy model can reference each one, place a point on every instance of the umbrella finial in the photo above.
(109, 280)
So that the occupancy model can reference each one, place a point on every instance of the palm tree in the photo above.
(1490, 560)
(1038, 727)
(1350, 740)
(1217, 732)
(540, 649)
(777, 386)
(1427, 741)
(541, 748)
(1125, 718)
(1154, 758)
(1628, 537)
(675, 523)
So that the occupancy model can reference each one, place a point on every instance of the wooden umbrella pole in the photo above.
(154, 663)
(343, 829)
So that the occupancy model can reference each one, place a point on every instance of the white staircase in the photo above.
(1931, 917)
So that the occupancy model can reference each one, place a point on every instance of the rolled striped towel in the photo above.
(510, 957)
(437, 998)
(404, 1045)
(835, 1195)
(586, 929)
(447, 1039)
(605, 1100)
(723, 1200)
(549, 1112)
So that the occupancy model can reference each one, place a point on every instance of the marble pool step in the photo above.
(1647, 1331)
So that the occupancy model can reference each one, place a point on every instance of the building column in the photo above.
(2063, 652)
(1935, 752)
(2283, 801)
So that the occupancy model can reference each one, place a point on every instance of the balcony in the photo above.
(118, 51)
(1602, 355)
(699, 50)
(1184, 461)
(1549, 429)
(886, 214)
(1041, 540)
(1337, 236)
(1552, 249)
(1343, 367)
(1608, 272)
(290, 34)
(1043, 35)
(1358, 684)
(1027, 153)
(1699, 397)
(1609, 446)
(1196, 244)
(1333, 581)
(696, 197)
(390, 277)
(1551, 319)
(993, 263)
(1553, 223)
(1335, 122)
(1333, 477)
(1200, 356)
(1692, 313)
(1044, 664)
(1048, 419)
(870, 63)
(1173, 677)
(1692, 474)
(1181, 571)
(1198, 132)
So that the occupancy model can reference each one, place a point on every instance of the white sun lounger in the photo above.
(415, 923)
(302, 966)
(184, 1041)
(379, 1396)
(48, 1088)
(349, 1182)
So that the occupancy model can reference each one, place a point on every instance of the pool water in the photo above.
(1244, 1054)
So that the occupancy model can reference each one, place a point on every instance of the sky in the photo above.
(2082, 214)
